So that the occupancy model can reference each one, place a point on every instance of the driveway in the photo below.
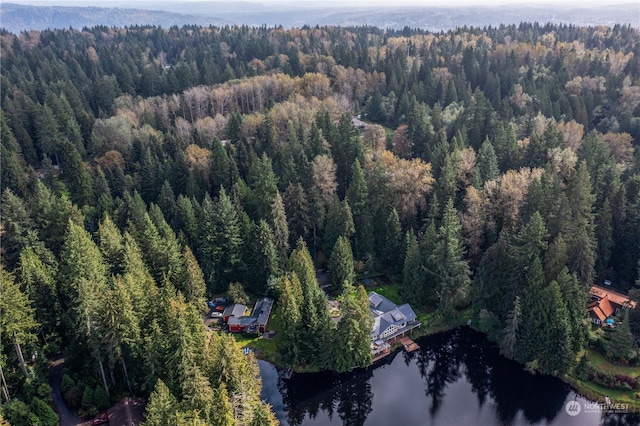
(67, 417)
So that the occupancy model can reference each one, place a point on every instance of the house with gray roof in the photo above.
(256, 322)
(390, 320)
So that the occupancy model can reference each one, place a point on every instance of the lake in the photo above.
(456, 378)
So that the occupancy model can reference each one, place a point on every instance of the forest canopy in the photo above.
(146, 169)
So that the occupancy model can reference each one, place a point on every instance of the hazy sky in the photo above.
(299, 3)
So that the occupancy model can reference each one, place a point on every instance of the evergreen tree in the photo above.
(546, 339)
(509, 341)
(289, 304)
(167, 202)
(620, 346)
(358, 197)
(37, 278)
(111, 246)
(557, 355)
(339, 223)
(265, 259)
(575, 297)
(221, 175)
(487, 162)
(76, 175)
(352, 343)
(220, 242)
(162, 407)
(44, 412)
(297, 212)
(17, 223)
(341, 268)
(280, 226)
(448, 259)
(221, 408)
(17, 320)
(194, 285)
(85, 287)
(315, 320)
(413, 276)
(580, 239)
(263, 184)
(391, 249)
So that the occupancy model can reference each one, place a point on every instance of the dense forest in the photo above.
(146, 170)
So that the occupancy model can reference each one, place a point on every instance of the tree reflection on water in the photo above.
(506, 394)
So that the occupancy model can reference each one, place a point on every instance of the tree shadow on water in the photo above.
(348, 395)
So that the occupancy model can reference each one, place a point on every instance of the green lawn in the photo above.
(596, 392)
(432, 322)
(600, 363)
(390, 292)
(265, 348)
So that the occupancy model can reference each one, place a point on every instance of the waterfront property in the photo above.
(604, 303)
(389, 322)
(256, 322)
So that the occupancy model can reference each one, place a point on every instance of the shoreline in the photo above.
(575, 384)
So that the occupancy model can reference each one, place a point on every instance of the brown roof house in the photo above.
(604, 304)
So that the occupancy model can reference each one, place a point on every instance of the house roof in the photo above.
(262, 310)
(386, 313)
(601, 309)
(241, 320)
(235, 310)
(380, 303)
(614, 297)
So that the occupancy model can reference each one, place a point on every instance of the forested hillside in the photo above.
(146, 169)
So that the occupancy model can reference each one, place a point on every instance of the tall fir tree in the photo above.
(451, 268)
(341, 267)
(358, 197)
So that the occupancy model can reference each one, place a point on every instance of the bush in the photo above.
(73, 397)
(17, 413)
(88, 404)
(44, 393)
(34, 420)
(67, 383)
(100, 398)
(237, 295)
(629, 381)
(43, 411)
(618, 381)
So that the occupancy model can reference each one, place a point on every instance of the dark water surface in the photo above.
(457, 378)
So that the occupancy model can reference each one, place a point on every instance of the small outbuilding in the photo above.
(236, 310)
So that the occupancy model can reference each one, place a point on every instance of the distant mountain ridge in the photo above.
(17, 17)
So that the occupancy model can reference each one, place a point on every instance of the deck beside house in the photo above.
(391, 323)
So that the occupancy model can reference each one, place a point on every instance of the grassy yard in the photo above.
(390, 292)
(600, 363)
(432, 322)
(597, 392)
(265, 348)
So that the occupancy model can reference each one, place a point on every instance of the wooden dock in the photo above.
(381, 355)
(408, 344)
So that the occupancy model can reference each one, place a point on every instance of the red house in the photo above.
(236, 310)
(606, 303)
(256, 322)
